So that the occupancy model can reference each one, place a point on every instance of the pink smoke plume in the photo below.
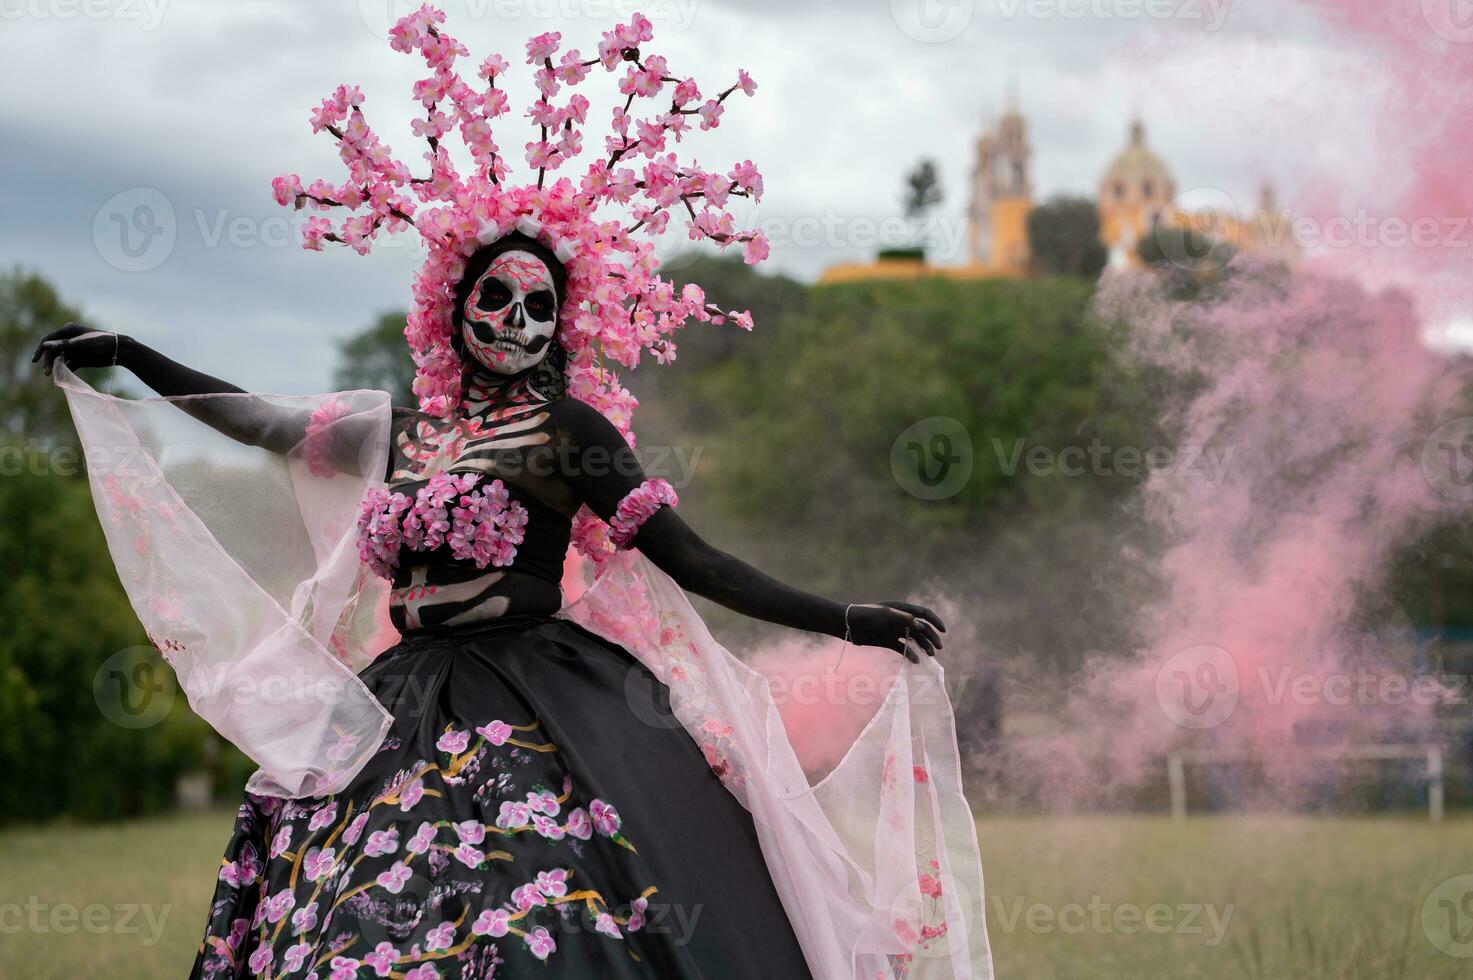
(1341, 432)
(1344, 438)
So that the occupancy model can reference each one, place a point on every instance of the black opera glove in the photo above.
(79, 346)
(901, 626)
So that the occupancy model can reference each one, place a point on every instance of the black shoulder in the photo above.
(578, 417)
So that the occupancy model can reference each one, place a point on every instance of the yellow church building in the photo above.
(1136, 191)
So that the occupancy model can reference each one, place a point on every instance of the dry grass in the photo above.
(1294, 899)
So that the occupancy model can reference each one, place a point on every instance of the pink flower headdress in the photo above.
(617, 305)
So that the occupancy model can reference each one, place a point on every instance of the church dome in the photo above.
(1137, 174)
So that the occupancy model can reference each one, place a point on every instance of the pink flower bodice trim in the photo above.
(638, 506)
(479, 522)
(316, 448)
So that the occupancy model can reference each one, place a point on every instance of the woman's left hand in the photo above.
(904, 627)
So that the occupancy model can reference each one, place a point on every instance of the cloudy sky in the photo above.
(140, 136)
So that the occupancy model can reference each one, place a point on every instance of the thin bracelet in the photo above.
(847, 637)
(115, 348)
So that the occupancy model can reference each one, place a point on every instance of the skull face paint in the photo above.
(511, 313)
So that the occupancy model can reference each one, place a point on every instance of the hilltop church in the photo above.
(1136, 191)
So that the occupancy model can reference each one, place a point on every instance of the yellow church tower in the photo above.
(1002, 197)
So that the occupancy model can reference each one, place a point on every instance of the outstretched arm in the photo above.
(602, 470)
(250, 420)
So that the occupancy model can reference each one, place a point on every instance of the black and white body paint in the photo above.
(511, 314)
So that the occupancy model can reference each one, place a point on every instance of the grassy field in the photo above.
(1079, 897)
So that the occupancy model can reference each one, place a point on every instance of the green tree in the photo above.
(33, 414)
(799, 460)
(66, 619)
(1064, 238)
(378, 360)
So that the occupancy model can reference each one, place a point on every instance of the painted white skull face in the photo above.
(511, 313)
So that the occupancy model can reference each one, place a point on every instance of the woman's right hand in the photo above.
(78, 347)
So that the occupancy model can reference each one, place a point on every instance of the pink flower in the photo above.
(492, 922)
(547, 827)
(355, 829)
(469, 856)
(471, 831)
(440, 937)
(542, 47)
(304, 919)
(411, 794)
(554, 883)
(756, 249)
(527, 896)
(260, 960)
(638, 506)
(425, 971)
(605, 924)
(579, 825)
(382, 959)
(745, 83)
(422, 839)
(394, 879)
(295, 956)
(382, 842)
(318, 862)
(605, 817)
(323, 817)
(286, 188)
(540, 942)
(454, 742)
(494, 65)
(636, 914)
(920, 774)
(513, 815)
(496, 732)
(711, 114)
(930, 885)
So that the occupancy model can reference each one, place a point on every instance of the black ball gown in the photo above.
(534, 811)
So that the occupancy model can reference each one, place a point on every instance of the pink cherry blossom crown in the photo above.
(617, 305)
